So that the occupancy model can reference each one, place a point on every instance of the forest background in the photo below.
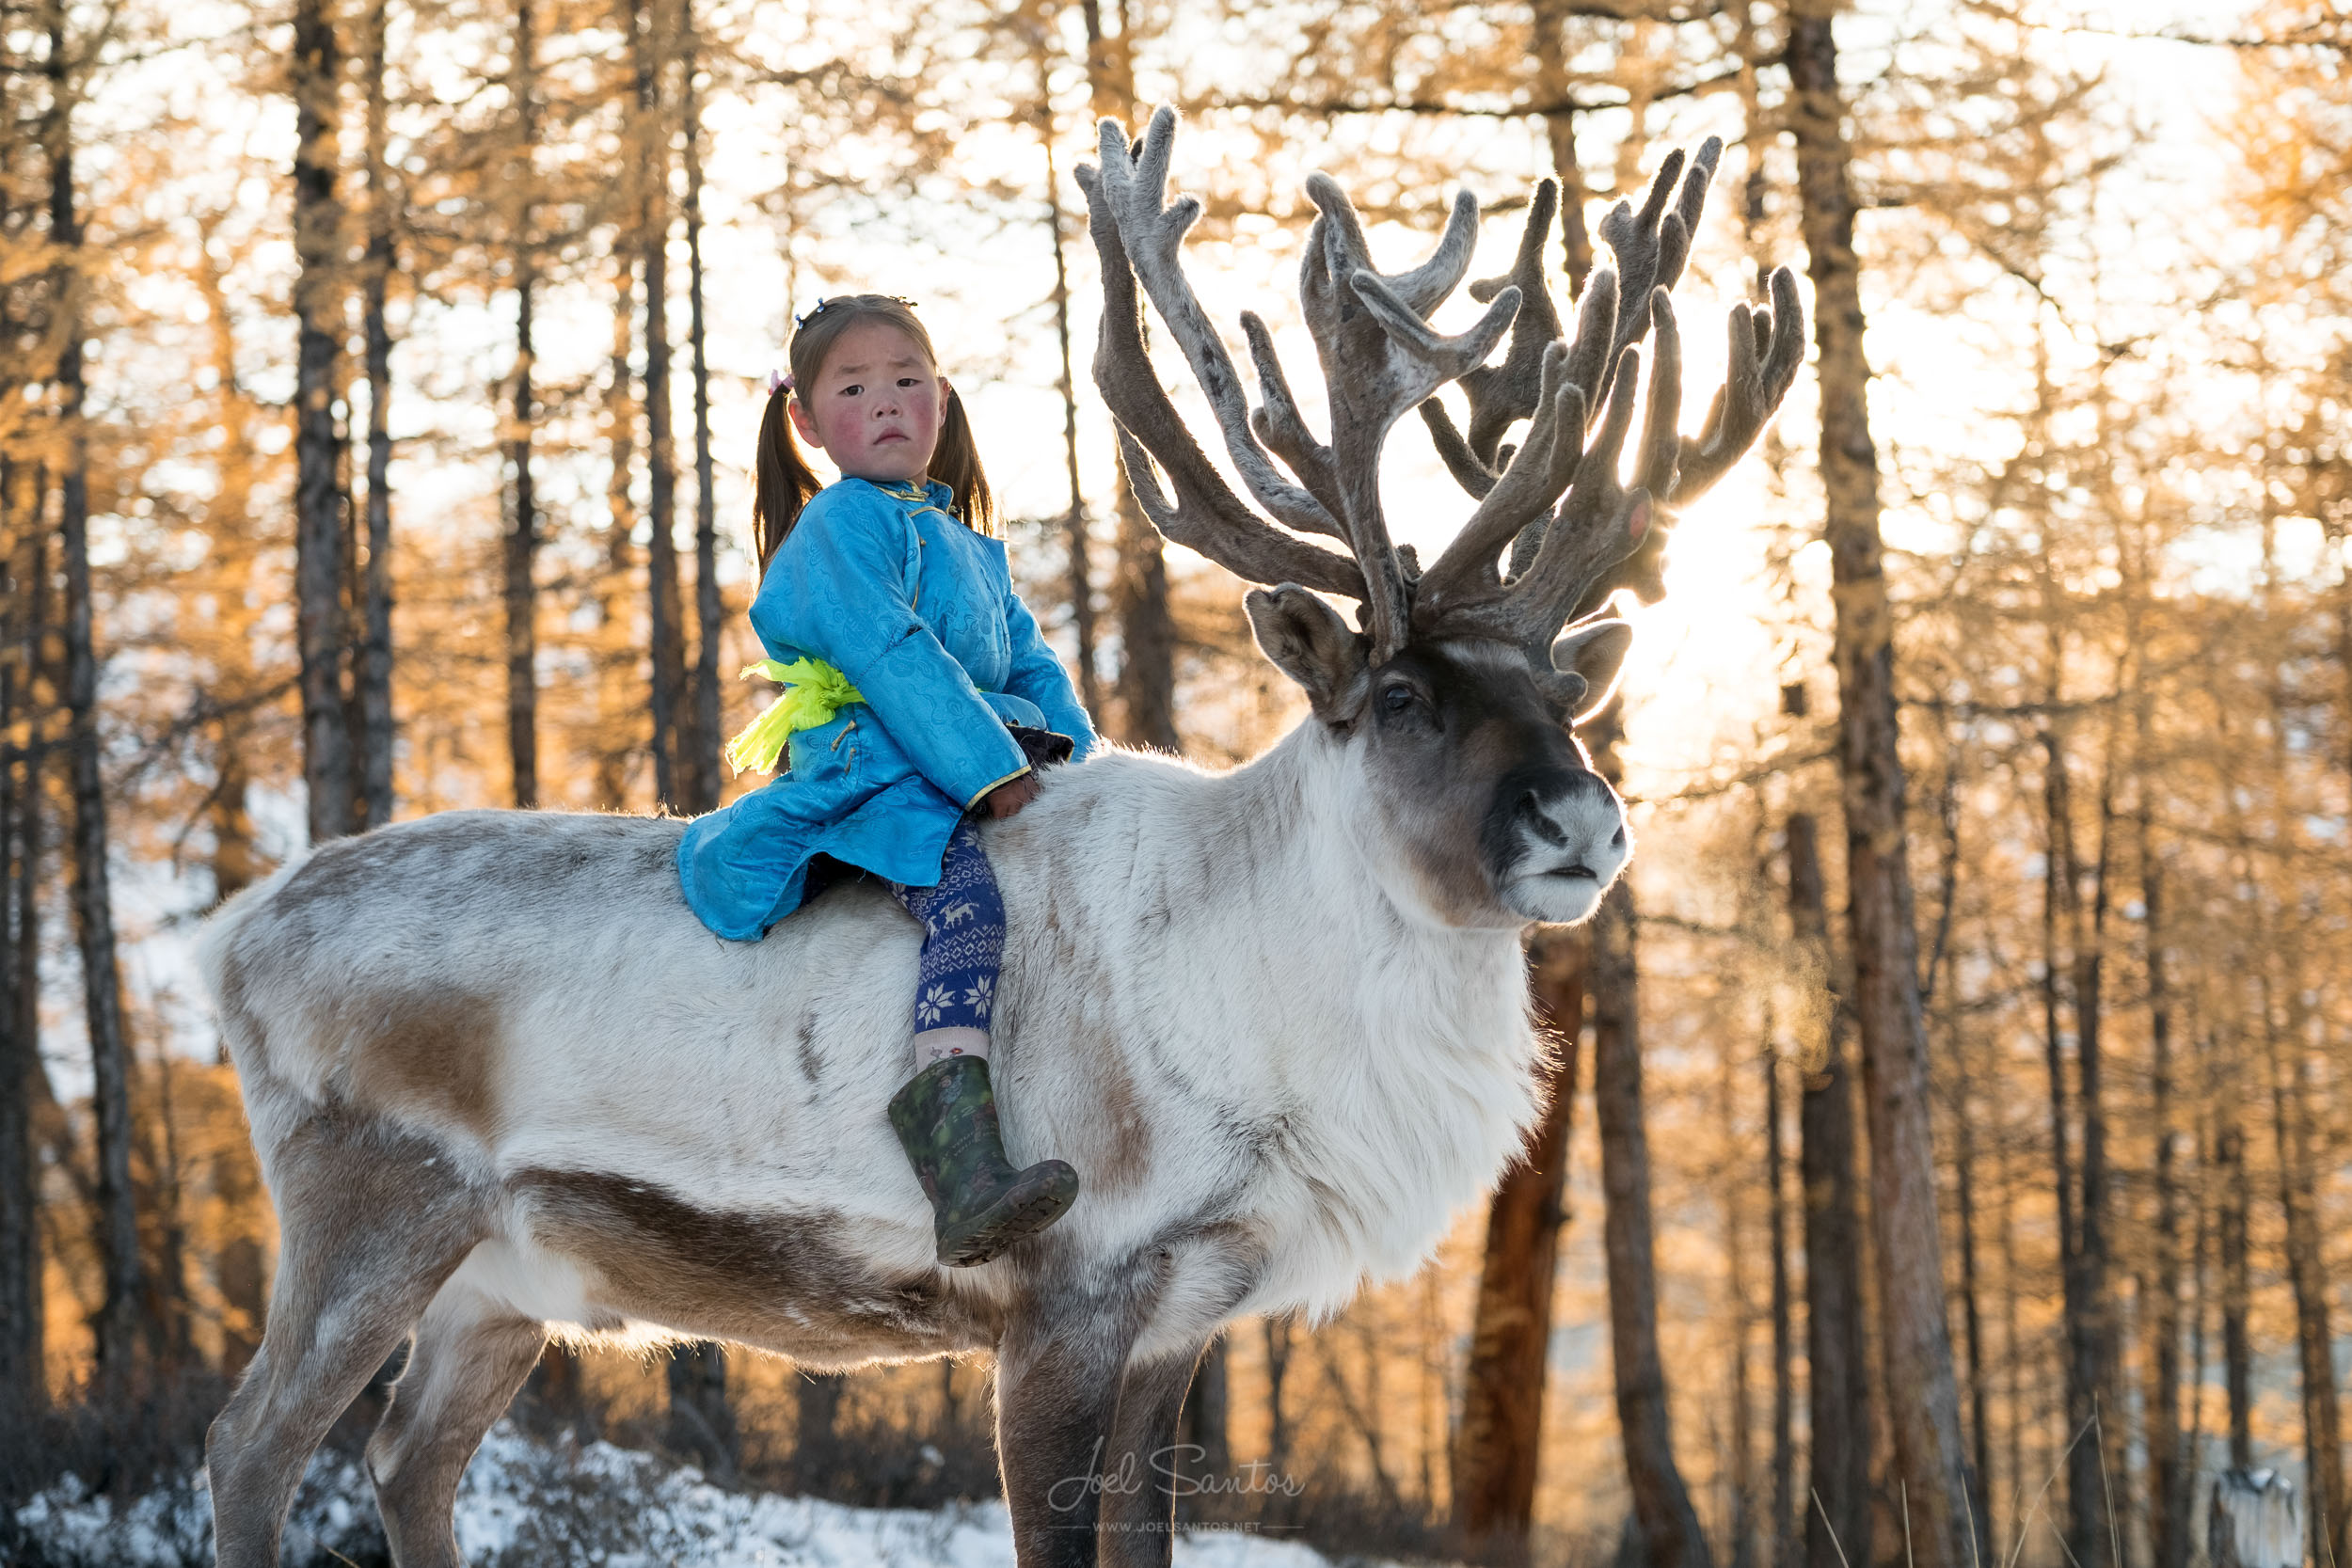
(378, 386)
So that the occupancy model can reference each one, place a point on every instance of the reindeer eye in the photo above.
(1397, 698)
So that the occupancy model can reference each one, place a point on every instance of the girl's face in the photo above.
(875, 404)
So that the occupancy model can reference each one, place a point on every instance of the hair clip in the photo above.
(779, 380)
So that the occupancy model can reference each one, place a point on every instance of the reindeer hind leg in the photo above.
(371, 1221)
(472, 1354)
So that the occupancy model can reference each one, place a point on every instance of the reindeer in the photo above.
(504, 1085)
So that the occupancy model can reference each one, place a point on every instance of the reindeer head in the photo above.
(1458, 697)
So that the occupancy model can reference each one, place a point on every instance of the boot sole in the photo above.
(1020, 1216)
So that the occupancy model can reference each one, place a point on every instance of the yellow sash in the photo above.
(814, 692)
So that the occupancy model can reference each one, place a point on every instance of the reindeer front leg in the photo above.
(1139, 1515)
(1057, 1376)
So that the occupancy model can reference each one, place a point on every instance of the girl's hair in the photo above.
(786, 481)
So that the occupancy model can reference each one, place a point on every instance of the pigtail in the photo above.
(785, 481)
(956, 464)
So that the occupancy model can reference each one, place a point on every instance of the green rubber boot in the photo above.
(946, 1117)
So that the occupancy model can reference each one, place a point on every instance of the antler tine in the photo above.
(1642, 568)
(1425, 287)
(1662, 446)
(1462, 463)
(1153, 236)
(1207, 516)
(1596, 332)
(1340, 232)
(1601, 538)
(1598, 526)
(1262, 554)
(1503, 394)
(1651, 247)
(1588, 367)
(1381, 357)
(1278, 423)
(1767, 348)
(1542, 467)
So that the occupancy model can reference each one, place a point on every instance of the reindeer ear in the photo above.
(1595, 651)
(1308, 642)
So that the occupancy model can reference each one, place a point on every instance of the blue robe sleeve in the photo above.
(1038, 675)
(840, 587)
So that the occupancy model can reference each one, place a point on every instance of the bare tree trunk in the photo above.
(1837, 1525)
(1081, 572)
(2082, 1309)
(615, 696)
(819, 1403)
(1972, 1318)
(1671, 1536)
(1742, 1479)
(522, 523)
(2013, 1358)
(2323, 1442)
(1923, 1404)
(2199, 1292)
(23, 1328)
(374, 673)
(699, 753)
(320, 564)
(233, 857)
(1503, 1386)
(701, 1425)
(169, 1315)
(117, 1323)
(2091, 1329)
(47, 1119)
(24, 1385)
(1938, 985)
(2098, 1220)
(650, 46)
(1146, 687)
(1280, 1335)
(1785, 1537)
(2170, 1467)
(1147, 667)
(2237, 1355)
(2344, 656)
(1551, 50)
(555, 1386)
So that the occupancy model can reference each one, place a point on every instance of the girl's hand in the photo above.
(1010, 796)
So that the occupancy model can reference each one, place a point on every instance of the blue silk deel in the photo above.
(883, 582)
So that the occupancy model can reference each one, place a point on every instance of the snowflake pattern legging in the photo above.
(963, 938)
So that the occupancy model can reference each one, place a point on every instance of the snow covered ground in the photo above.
(525, 1504)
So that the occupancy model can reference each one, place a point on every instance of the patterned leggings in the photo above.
(963, 943)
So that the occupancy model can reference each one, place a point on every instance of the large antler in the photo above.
(1379, 356)
(1565, 562)
(1555, 503)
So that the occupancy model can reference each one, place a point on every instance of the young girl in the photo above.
(888, 607)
